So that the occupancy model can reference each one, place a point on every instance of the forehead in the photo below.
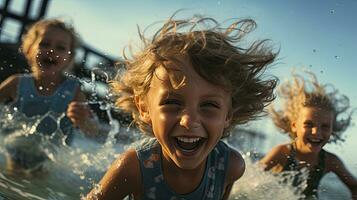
(56, 33)
(316, 113)
(180, 75)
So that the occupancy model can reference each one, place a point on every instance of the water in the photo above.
(73, 170)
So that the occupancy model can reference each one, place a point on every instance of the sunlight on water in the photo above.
(258, 184)
(71, 171)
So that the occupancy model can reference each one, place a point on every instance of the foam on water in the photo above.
(72, 171)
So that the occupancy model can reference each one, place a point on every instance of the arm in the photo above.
(334, 164)
(123, 178)
(8, 88)
(236, 168)
(276, 158)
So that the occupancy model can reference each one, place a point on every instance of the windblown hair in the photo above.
(299, 93)
(216, 54)
(37, 30)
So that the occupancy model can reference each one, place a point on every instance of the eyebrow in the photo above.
(168, 93)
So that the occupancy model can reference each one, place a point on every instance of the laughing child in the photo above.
(311, 117)
(188, 87)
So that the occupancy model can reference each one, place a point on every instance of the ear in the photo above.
(293, 127)
(228, 119)
(143, 109)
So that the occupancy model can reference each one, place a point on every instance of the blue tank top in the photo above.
(31, 103)
(154, 186)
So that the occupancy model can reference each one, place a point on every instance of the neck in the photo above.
(311, 158)
(182, 181)
(48, 80)
(47, 84)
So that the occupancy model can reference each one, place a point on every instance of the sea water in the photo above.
(72, 171)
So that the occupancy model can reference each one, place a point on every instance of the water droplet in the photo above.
(40, 88)
(69, 52)
(310, 65)
(314, 50)
(321, 71)
(332, 11)
(337, 57)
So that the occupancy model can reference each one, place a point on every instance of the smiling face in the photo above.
(313, 129)
(188, 121)
(51, 52)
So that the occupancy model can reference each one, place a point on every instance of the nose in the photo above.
(189, 120)
(315, 131)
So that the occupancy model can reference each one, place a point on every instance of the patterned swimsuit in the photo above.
(155, 187)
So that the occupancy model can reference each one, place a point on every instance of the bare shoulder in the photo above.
(277, 156)
(8, 88)
(122, 178)
(332, 162)
(235, 170)
(236, 166)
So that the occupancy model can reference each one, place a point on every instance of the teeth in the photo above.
(188, 140)
(315, 140)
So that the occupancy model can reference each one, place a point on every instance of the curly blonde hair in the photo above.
(215, 54)
(299, 93)
(37, 29)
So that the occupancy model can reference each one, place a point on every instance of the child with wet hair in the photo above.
(49, 47)
(311, 115)
(188, 87)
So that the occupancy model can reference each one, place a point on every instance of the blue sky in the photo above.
(318, 35)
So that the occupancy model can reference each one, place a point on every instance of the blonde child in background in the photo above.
(49, 47)
(188, 87)
(311, 115)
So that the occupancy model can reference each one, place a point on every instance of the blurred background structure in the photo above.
(91, 65)
(13, 24)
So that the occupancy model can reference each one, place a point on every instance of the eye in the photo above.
(43, 44)
(326, 126)
(308, 125)
(210, 104)
(61, 48)
(171, 102)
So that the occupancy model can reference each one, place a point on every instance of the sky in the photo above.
(317, 35)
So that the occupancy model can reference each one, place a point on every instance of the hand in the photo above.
(81, 116)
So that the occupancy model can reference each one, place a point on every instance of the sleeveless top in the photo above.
(31, 103)
(155, 187)
(314, 175)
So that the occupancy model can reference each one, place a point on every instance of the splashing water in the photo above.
(258, 184)
(72, 171)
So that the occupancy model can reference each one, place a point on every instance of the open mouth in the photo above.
(48, 61)
(315, 141)
(189, 144)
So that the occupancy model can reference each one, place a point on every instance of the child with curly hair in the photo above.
(311, 116)
(189, 86)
